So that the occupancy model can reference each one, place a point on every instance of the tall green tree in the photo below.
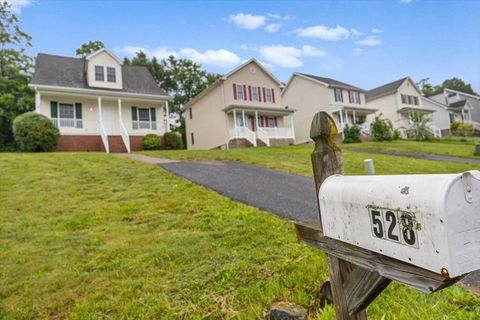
(89, 47)
(458, 85)
(15, 74)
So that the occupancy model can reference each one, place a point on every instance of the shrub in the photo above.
(462, 129)
(419, 130)
(34, 132)
(397, 135)
(151, 142)
(351, 134)
(173, 140)
(381, 129)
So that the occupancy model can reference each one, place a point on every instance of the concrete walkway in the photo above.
(146, 159)
(425, 156)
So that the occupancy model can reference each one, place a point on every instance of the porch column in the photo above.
(256, 120)
(235, 122)
(120, 109)
(463, 115)
(341, 123)
(291, 125)
(37, 102)
(346, 116)
(167, 114)
(243, 118)
(354, 118)
(99, 103)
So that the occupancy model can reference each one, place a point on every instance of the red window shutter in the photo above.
(264, 96)
(250, 93)
(259, 95)
(273, 99)
(245, 92)
(234, 91)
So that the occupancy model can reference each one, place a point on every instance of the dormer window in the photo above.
(99, 73)
(111, 76)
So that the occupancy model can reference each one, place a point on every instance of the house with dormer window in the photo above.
(98, 103)
(241, 109)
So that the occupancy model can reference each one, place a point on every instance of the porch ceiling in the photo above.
(280, 111)
(413, 109)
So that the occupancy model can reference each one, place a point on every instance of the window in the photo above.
(111, 76)
(354, 97)
(338, 95)
(190, 113)
(255, 93)
(99, 73)
(415, 101)
(271, 122)
(404, 99)
(144, 118)
(409, 99)
(268, 95)
(67, 111)
(240, 93)
(193, 138)
(69, 115)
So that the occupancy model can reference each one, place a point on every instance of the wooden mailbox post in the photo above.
(358, 274)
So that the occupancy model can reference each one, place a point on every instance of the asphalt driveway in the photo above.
(286, 195)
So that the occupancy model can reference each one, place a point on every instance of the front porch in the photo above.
(260, 126)
(407, 121)
(118, 122)
(352, 116)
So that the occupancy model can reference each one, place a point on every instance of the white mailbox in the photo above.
(431, 221)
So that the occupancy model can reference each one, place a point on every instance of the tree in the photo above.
(426, 88)
(458, 85)
(89, 47)
(15, 74)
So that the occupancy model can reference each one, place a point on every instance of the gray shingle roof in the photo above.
(384, 90)
(458, 104)
(70, 72)
(333, 82)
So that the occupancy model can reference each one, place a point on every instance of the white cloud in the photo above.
(324, 33)
(247, 21)
(18, 5)
(310, 51)
(357, 51)
(355, 33)
(375, 30)
(131, 51)
(370, 41)
(405, 1)
(279, 17)
(273, 27)
(283, 56)
(163, 53)
(219, 58)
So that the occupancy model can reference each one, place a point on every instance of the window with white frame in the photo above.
(268, 95)
(271, 122)
(66, 111)
(144, 118)
(338, 95)
(240, 93)
(404, 98)
(254, 93)
(354, 97)
(111, 76)
(99, 73)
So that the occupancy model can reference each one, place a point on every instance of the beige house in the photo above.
(98, 103)
(309, 94)
(242, 108)
(398, 101)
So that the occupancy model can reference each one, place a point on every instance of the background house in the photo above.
(309, 94)
(98, 103)
(398, 101)
(241, 109)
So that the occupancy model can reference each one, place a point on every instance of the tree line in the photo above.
(181, 78)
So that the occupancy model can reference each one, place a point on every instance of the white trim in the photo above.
(463, 93)
(37, 101)
(66, 90)
(93, 54)
(296, 74)
(259, 65)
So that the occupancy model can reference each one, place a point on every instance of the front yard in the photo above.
(96, 236)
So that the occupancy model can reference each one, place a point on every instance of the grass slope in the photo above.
(92, 236)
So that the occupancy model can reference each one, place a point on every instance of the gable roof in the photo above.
(59, 71)
(474, 96)
(224, 77)
(458, 104)
(93, 54)
(329, 82)
(385, 89)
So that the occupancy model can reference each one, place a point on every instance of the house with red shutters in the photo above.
(241, 109)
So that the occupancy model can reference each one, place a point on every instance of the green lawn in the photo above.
(296, 159)
(93, 236)
(456, 148)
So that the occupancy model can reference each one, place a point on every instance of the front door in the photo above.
(107, 117)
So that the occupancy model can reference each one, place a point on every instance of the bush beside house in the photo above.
(173, 140)
(381, 129)
(34, 132)
(151, 142)
(351, 134)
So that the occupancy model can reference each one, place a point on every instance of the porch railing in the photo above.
(243, 133)
(152, 125)
(278, 133)
(67, 123)
(103, 134)
(125, 136)
(263, 136)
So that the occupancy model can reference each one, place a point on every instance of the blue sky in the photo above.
(365, 43)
